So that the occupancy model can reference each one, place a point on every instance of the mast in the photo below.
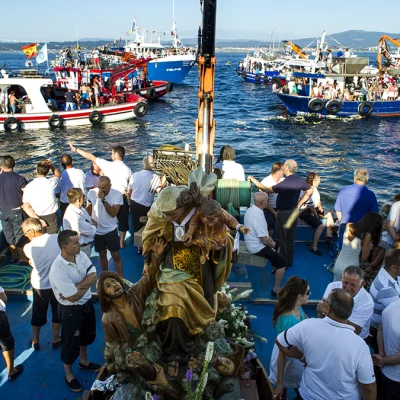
(205, 123)
(174, 38)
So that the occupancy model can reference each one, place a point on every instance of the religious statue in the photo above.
(210, 226)
(186, 287)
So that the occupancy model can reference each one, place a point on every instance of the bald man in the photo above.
(103, 206)
(287, 205)
(259, 242)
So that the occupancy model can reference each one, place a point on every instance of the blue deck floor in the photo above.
(43, 377)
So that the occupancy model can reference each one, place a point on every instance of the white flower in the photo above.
(223, 322)
(252, 317)
(242, 324)
(148, 396)
(233, 334)
(209, 351)
(244, 294)
(232, 291)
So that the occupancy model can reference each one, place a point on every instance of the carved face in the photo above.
(224, 366)
(210, 220)
(112, 288)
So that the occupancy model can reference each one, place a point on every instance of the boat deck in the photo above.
(43, 377)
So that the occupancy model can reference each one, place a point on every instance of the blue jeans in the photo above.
(12, 221)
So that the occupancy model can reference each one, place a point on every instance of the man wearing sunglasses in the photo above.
(353, 282)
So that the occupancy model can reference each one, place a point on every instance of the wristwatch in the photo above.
(104, 201)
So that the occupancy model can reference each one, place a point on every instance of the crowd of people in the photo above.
(93, 211)
(350, 318)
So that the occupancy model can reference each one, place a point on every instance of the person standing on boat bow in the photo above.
(288, 206)
(120, 175)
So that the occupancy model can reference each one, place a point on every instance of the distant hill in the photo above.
(353, 39)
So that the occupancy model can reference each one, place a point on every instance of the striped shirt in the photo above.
(384, 291)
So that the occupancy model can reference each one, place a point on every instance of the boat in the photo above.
(71, 77)
(363, 102)
(36, 114)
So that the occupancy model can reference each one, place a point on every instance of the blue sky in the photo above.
(45, 20)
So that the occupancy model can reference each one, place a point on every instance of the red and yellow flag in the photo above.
(29, 50)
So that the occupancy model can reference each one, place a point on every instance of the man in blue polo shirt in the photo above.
(288, 204)
(354, 201)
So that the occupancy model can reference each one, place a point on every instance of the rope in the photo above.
(232, 195)
(15, 276)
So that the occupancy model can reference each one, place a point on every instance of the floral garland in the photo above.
(236, 320)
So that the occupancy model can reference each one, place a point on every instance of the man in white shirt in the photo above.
(71, 177)
(273, 179)
(7, 342)
(41, 252)
(39, 199)
(347, 54)
(338, 362)
(388, 357)
(71, 277)
(384, 290)
(76, 218)
(259, 242)
(393, 223)
(120, 175)
(226, 168)
(352, 282)
(103, 206)
(92, 177)
(142, 188)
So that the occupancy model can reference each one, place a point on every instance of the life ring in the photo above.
(151, 93)
(316, 105)
(141, 109)
(333, 107)
(244, 74)
(55, 121)
(258, 78)
(365, 108)
(170, 87)
(12, 124)
(277, 81)
(95, 117)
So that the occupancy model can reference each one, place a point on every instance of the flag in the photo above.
(29, 50)
(42, 55)
(133, 24)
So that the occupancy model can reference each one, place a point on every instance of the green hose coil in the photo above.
(233, 194)
(15, 276)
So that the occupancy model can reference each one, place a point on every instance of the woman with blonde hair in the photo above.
(287, 372)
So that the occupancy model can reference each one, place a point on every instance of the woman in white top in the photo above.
(313, 214)
(226, 168)
(357, 239)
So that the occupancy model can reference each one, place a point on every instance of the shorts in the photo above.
(41, 300)
(123, 215)
(78, 329)
(109, 241)
(7, 342)
(310, 219)
(85, 96)
(271, 254)
(12, 221)
(53, 226)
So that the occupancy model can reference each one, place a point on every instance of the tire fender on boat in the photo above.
(151, 93)
(365, 108)
(316, 104)
(141, 109)
(333, 107)
(258, 78)
(95, 117)
(266, 79)
(238, 71)
(55, 121)
(12, 124)
(170, 87)
(244, 75)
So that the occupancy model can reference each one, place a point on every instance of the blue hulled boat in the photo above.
(345, 95)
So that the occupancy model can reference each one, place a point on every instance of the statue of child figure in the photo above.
(209, 228)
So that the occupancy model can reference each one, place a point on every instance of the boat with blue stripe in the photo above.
(352, 90)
